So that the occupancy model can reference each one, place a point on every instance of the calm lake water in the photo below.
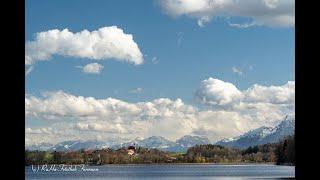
(166, 171)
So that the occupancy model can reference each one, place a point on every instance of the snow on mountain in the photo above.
(261, 135)
(40, 147)
(189, 141)
(180, 145)
(77, 145)
(158, 142)
(257, 136)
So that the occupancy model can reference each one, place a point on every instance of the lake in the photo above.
(161, 171)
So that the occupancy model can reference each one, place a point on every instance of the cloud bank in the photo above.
(102, 44)
(272, 13)
(229, 112)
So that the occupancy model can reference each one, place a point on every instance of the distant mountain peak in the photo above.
(261, 135)
(261, 132)
(158, 142)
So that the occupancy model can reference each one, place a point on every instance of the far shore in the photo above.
(131, 164)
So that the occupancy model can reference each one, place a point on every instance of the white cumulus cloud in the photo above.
(273, 13)
(102, 44)
(284, 94)
(217, 92)
(100, 127)
(92, 68)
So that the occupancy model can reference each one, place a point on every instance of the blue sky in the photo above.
(205, 52)
(186, 53)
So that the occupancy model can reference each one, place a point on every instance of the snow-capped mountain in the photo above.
(254, 137)
(78, 145)
(180, 145)
(40, 147)
(158, 142)
(189, 141)
(261, 135)
(75, 145)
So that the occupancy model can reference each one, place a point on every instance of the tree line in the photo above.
(282, 152)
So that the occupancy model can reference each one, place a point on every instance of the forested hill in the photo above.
(282, 152)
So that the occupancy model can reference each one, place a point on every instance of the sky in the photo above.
(105, 69)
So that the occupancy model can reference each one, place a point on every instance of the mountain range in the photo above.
(262, 135)
(158, 142)
(257, 136)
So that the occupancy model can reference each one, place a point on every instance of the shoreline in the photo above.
(131, 164)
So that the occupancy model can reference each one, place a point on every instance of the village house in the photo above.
(131, 150)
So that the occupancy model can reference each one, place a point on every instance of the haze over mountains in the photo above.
(257, 136)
